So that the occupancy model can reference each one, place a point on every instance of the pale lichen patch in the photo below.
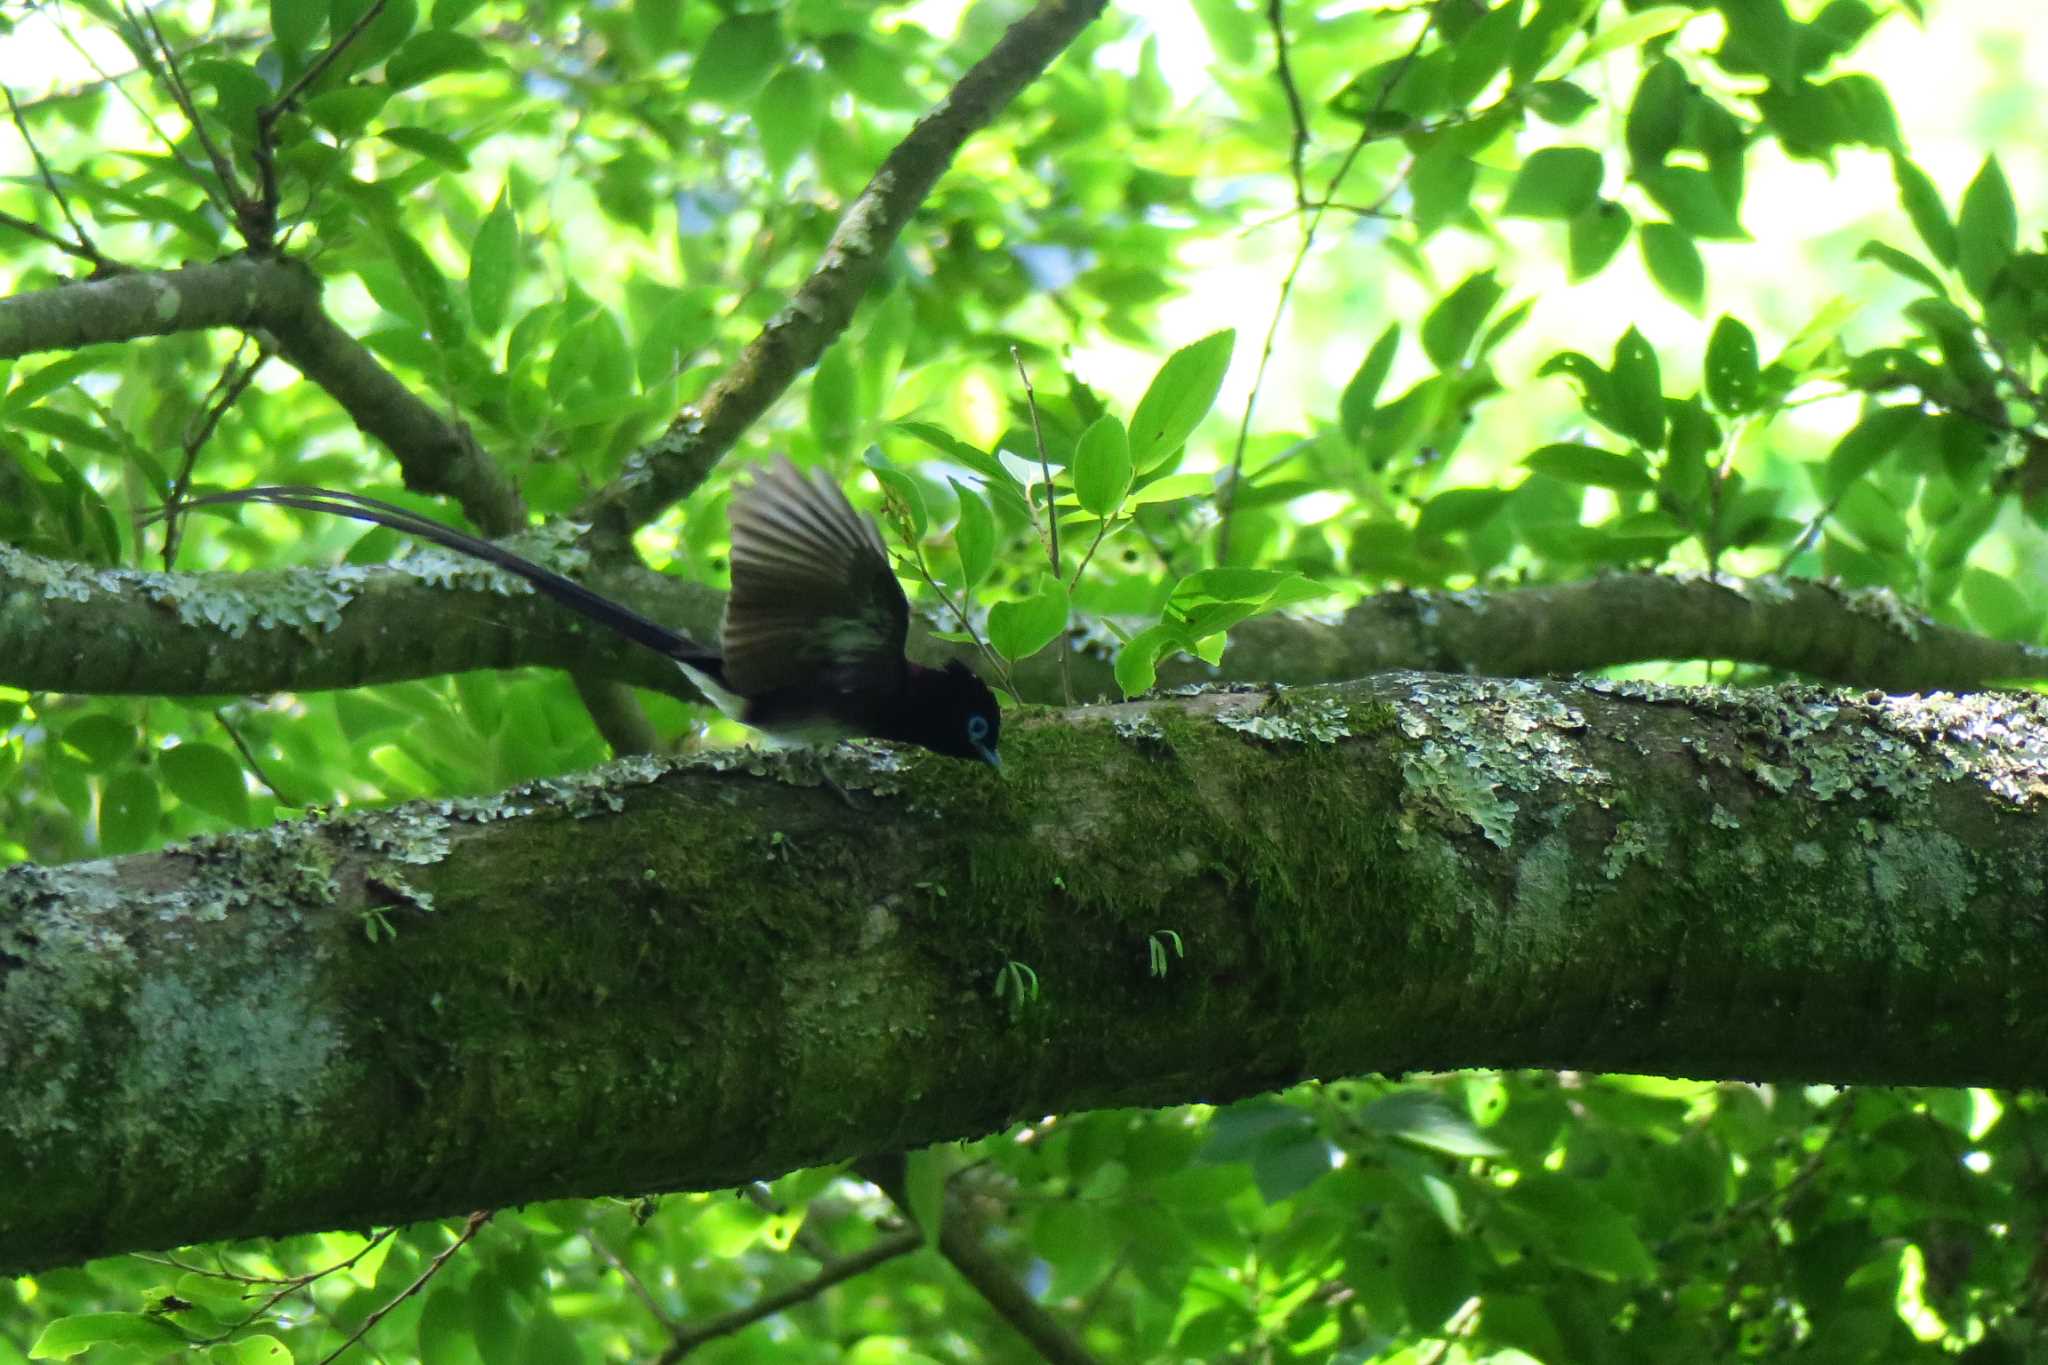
(1483, 737)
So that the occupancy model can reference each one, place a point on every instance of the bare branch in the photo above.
(688, 1338)
(1314, 220)
(470, 1229)
(961, 1242)
(86, 246)
(282, 300)
(676, 463)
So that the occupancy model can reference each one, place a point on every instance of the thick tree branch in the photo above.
(791, 342)
(281, 299)
(66, 628)
(672, 976)
(1865, 638)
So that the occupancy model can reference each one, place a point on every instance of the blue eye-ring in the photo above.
(977, 728)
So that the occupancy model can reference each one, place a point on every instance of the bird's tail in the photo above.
(599, 608)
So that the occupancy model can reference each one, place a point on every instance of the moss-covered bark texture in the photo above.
(692, 974)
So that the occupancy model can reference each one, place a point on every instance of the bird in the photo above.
(811, 647)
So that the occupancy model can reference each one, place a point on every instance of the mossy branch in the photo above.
(1419, 872)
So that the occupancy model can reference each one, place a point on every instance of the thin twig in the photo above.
(266, 119)
(845, 1268)
(227, 390)
(634, 1283)
(85, 242)
(1299, 149)
(1308, 236)
(283, 1286)
(916, 561)
(135, 105)
(1052, 522)
(1101, 529)
(242, 747)
(43, 234)
(469, 1229)
(181, 95)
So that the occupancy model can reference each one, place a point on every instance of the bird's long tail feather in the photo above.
(599, 608)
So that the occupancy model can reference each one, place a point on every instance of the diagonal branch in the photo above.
(281, 299)
(674, 465)
(688, 1338)
(962, 1243)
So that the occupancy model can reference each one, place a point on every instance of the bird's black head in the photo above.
(960, 718)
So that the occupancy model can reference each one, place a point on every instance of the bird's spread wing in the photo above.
(813, 598)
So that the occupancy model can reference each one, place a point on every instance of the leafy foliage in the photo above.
(561, 222)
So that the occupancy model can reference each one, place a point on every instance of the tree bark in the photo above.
(691, 975)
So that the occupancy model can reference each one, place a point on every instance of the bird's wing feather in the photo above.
(812, 592)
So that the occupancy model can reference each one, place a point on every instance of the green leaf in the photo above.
(870, 71)
(129, 810)
(438, 148)
(1997, 607)
(1288, 1162)
(67, 1337)
(1137, 663)
(1675, 264)
(1656, 116)
(1596, 234)
(1423, 1119)
(348, 111)
(1180, 396)
(1017, 630)
(378, 40)
(1355, 407)
(1923, 205)
(1102, 466)
(104, 740)
(1634, 31)
(255, 1350)
(433, 53)
(974, 536)
(835, 393)
(1560, 102)
(1731, 367)
(1242, 585)
(1482, 51)
(1638, 390)
(423, 280)
(1171, 488)
(737, 59)
(1868, 442)
(493, 265)
(924, 1187)
(296, 23)
(1448, 330)
(1901, 263)
(1987, 229)
(1574, 462)
(903, 490)
(1577, 1228)
(207, 777)
(1694, 201)
(239, 93)
(1459, 509)
(449, 13)
(1440, 186)
(1001, 486)
(788, 113)
(1555, 182)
